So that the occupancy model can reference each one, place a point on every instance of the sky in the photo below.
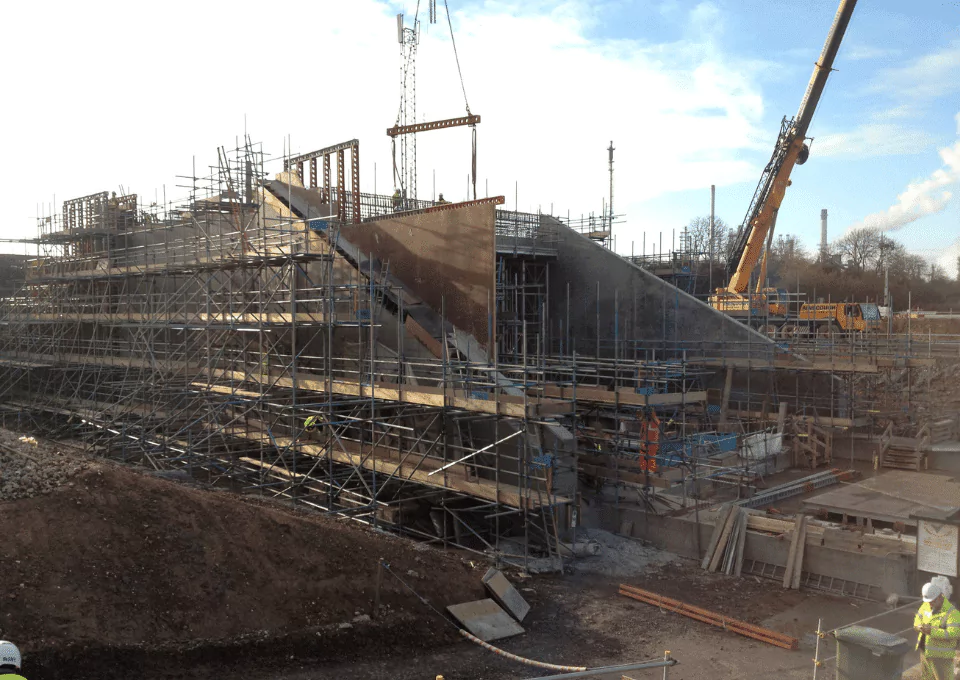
(119, 97)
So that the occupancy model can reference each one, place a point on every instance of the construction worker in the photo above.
(938, 624)
(397, 200)
(442, 200)
(313, 422)
(9, 661)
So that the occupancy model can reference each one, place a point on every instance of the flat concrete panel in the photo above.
(485, 619)
(447, 255)
(505, 594)
(892, 496)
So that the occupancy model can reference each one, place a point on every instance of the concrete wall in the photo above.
(446, 258)
(633, 304)
(891, 573)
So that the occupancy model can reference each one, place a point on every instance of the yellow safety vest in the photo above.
(941, 643)
(11, 676)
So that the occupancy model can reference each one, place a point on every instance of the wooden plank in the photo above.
(741, 543)
(725, 398)
(798, 564)
(596, 466)
(412, 468)
(792, 553)
(837, 365)
(721, 544)
(781, 417)
(718, 525)
(623, 396)
(733, 625)
(506, 405)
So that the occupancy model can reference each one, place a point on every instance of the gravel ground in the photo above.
(34, 468)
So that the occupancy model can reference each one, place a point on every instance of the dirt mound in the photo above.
(29, 467)
(123, 561)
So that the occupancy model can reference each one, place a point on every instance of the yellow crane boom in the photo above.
(789, 151)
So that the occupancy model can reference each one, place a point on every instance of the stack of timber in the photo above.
(727, 542)
(827, 535)
(707, 616)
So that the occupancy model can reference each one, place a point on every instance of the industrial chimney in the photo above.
(823, 235)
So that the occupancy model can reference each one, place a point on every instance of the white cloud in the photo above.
(930, 76)
(860, 52)
(873, 139)
(921, 198)
(131, 96)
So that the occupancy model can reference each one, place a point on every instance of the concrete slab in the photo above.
(891, 497)
(505, 594)
(485, 619)
(946, 447)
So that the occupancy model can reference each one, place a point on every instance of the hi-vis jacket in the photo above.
(944, 630)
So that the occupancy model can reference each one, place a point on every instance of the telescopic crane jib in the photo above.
(791, 149)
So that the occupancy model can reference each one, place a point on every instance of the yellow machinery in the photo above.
(756, 232)
(840, 317)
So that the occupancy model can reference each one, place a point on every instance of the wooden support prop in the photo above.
(741, 542)
(721, 521)
(792, 554)
(725, 399)
(798, 563)
(724, 537)
(733, 625)
(781, 417)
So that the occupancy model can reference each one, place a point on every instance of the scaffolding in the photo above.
(231, 336)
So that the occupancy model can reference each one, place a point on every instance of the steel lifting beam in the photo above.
(321, 152)
(397, 130)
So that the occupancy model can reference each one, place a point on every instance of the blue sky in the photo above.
(691, 93)
(889, 108)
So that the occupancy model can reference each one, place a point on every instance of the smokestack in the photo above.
(823, 235)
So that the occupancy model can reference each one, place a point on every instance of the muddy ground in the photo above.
(113, 573)
(117, 570)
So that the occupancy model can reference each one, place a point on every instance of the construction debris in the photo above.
(505, 594)
(714, 619)
(485, 619)
(29, 469)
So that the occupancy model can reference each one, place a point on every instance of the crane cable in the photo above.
(457, 57)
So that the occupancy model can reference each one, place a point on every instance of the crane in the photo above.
(756, 231)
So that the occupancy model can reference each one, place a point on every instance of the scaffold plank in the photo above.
(377, 458)
(623, 395)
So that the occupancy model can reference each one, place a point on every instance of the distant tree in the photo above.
(887, 250)
(698, 236)
(858, 248)
(937, 273)
(787, 249)
(958, 267)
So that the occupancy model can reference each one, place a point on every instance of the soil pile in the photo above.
(119, 563)
(29, 467)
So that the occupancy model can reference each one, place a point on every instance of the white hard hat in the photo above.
(931, 591)
(9, 655)
(946, 589)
